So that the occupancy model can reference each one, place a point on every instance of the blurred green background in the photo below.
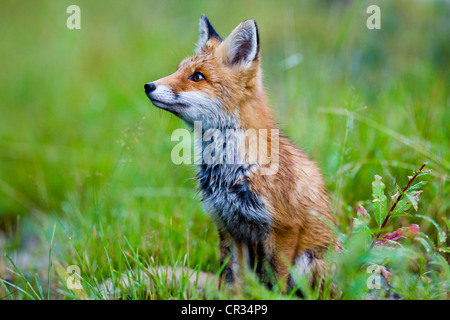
(82, 148)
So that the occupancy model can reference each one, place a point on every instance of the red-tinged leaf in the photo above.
(386, 274)
(409, 232)
(410, 198)
(414, 198)
(362, 211)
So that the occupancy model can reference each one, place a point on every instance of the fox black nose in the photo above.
(149, 87)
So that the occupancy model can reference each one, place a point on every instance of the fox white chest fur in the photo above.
(272, 223)
(226, 192)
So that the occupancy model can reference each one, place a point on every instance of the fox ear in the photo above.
(206, 32)
(242, 45)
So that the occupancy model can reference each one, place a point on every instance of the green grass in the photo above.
(83, 152)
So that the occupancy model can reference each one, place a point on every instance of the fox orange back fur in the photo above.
(272, 222)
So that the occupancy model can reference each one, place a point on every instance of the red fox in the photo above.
(275, 224)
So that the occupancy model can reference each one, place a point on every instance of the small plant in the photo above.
(403, 264)
(402, 202)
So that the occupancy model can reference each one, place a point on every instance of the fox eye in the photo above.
(197, 77)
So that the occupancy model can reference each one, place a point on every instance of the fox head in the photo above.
(220, 85)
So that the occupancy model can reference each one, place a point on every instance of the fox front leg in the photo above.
(228, 259)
